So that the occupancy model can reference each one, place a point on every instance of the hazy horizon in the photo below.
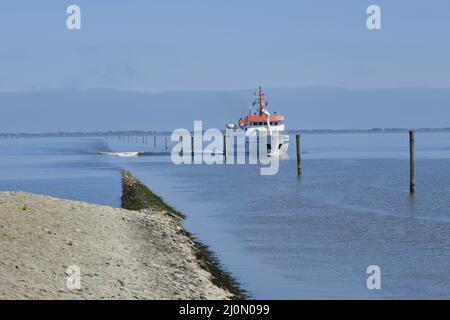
(306, 108)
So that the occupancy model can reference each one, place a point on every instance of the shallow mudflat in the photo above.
(121, 254)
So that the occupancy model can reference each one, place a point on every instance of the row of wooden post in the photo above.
(412, 181)
(412, 162)
(145, 140)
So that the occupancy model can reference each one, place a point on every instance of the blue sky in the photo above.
(207, 44)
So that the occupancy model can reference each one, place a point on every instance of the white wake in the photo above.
(121, 154)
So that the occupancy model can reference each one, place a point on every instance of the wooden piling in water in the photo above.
(225, 145)
(181, 144)
(192, 147)
(299, 155)
(412, 162)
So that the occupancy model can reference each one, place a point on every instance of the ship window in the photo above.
(260, 123)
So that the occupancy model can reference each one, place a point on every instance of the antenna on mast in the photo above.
(261, 101)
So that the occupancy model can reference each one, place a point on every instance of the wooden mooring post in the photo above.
(299, 155)
(412, 162)
(225, 145)
(192, 150)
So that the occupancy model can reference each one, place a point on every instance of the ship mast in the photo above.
(261, 101)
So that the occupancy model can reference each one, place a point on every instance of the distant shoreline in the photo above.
(168, 133)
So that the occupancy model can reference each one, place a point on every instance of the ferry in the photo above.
(262, 123)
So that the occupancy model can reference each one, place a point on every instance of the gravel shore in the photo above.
(121, 254)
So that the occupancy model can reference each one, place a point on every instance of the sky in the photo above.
(170, 45)
(132, 63)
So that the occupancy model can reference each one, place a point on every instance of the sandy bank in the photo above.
(121, 254)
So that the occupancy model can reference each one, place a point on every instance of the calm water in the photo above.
(281, 236)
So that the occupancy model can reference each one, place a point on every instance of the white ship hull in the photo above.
(259, 143)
